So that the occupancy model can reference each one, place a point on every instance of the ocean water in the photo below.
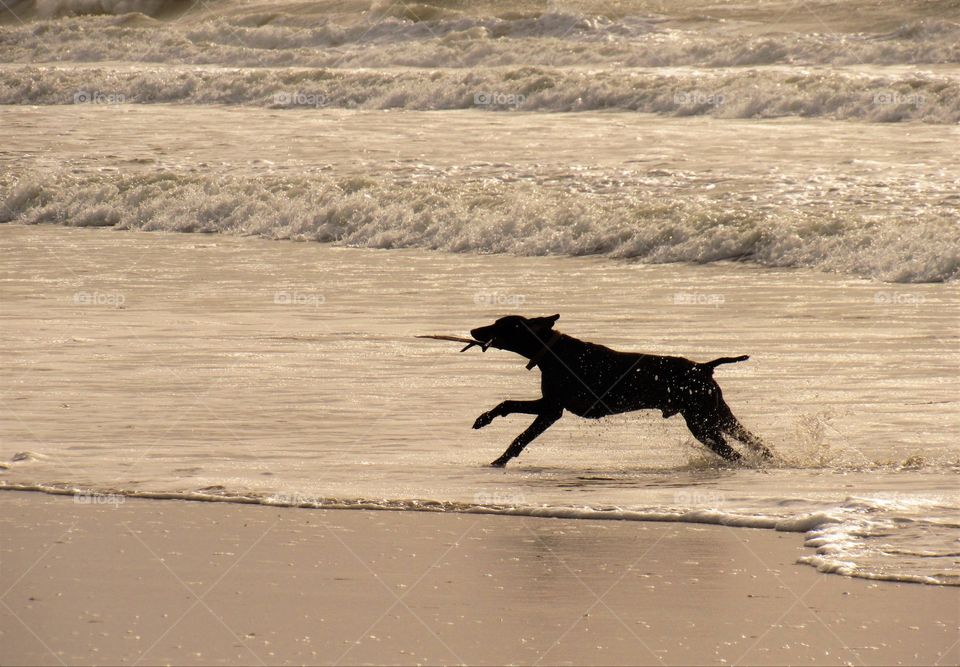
(773, 179)
(244, 370)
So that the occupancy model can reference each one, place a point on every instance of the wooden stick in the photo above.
(458, 339)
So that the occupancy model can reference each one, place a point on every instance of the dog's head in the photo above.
(525, 336)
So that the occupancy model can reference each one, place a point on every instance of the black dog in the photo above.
(594, 381)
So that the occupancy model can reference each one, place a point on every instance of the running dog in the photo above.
(594, 381)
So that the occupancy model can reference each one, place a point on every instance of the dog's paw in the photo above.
(483, 420)
(499, 463)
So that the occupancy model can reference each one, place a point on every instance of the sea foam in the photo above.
(488, 217)
(441, 38)
(761, 93)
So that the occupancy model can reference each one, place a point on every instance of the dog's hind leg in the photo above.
(543, 421)
(731, 426)
(707, 431)
(746, 437)
(511, 407)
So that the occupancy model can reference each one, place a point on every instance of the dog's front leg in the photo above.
(539, 425)
(508, 408)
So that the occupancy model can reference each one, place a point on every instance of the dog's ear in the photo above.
(546, 322)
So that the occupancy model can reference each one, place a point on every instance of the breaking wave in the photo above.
(420, 36)
(490, 217)
(58, 8)
(724, 94)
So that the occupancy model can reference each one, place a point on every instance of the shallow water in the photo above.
(224, 368)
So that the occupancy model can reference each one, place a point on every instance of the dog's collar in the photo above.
(535, 359)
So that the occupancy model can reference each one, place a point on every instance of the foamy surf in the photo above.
(454, 213)
(453, 172)
(243, 35)
(877, 96)
(897, 66)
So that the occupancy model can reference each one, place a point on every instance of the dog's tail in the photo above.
(710, 365)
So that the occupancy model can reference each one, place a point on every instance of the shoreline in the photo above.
(800, 526)
(224, 583)
(809, 529)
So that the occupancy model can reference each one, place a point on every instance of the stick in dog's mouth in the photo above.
(483, 346)
(470, 342)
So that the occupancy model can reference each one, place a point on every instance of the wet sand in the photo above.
(111, 580)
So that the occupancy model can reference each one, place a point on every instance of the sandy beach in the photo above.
(111, 580)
